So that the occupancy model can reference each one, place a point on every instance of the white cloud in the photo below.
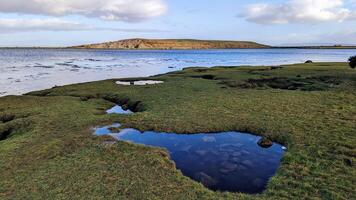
(52, 24)
(299, 11)
(56, 24)
(120, 10)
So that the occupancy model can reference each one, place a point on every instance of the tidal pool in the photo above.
(227, 161)
(118, 110)
(143, 82)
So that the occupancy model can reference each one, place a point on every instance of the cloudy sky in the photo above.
(275, 22)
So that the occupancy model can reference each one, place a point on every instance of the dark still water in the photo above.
(228, 161)
(24, 70)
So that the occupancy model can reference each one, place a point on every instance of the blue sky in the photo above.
(275, 22)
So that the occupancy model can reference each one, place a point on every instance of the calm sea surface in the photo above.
(24, 70)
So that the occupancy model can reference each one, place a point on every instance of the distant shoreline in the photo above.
(314, 47)
(271, 47)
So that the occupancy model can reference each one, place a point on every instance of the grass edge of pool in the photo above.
(49, 151)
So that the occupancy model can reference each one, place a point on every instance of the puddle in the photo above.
(118, 110)
(143, 82)
(228, 161)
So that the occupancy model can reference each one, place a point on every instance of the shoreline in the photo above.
(66, 83)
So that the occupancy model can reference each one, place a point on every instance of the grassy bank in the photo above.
(47, 149)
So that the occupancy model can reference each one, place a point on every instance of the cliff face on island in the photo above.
(173, 44)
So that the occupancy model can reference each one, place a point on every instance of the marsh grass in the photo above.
(55, 155)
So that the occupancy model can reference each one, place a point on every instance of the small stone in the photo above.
(265, 143)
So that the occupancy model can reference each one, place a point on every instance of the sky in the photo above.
(62, 23)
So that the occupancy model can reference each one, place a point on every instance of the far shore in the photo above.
(271, 47)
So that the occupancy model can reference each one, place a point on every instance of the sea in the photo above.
(25, 70)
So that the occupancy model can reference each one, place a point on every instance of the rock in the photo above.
(205, 179)
(115, 129)
(308, 61)
(265, 143)
(108, 143)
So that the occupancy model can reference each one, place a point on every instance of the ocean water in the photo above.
(25, 70)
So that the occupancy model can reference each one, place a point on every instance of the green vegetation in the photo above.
(352, 62)
(47, 149)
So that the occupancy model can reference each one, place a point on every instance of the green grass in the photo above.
(50, 152)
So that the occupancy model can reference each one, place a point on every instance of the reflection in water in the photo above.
(229, 161)
(118, 110)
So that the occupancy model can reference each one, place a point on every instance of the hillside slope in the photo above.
(173, 44)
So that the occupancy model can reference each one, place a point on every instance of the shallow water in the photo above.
(145, 82)
(118, 110)
(228, 161)
(25, 70)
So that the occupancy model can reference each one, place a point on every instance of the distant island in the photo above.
(187, 44)
(167, 44)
